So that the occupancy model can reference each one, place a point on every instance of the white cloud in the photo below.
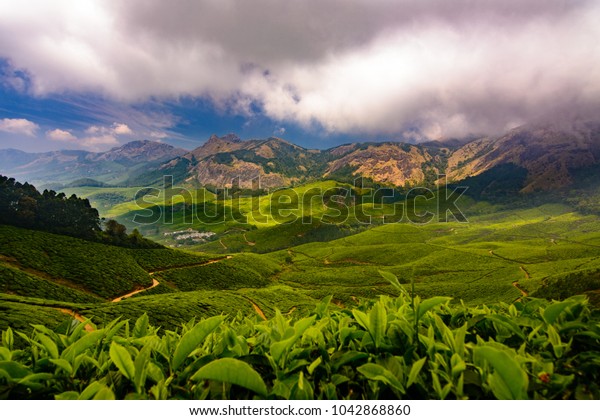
(427, 67)
(116, 129)
(121, 129)
(61, 135)
(98, 142)
(97, 138)
(19, 126)
(158, 135)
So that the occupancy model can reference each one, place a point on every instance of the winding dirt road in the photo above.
(156, 282)
(256, 308)
(88, 327)
(524, 293)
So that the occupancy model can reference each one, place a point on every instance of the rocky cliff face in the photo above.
(387, 163)
(549, 153)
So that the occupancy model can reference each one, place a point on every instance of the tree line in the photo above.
(22, 205)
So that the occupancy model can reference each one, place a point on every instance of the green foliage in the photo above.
(101, 270)
(115, 233)
(532, 349)
(160, 259)
(22, 205)
(20, 283)
(232, 371)
(235, 273)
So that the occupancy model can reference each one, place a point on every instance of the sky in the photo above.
(95, 74)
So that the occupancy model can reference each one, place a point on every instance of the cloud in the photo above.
(116, 129)
(60, 135)
(430, 68)
(19, 126)
(95, 137)
(98, 142)
(99, 136)
(121, 129)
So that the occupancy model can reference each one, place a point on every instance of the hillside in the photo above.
(98, 270)
(551, 154)
(114, 166)
(430, 292)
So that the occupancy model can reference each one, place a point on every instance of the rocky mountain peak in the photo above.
(228, 138)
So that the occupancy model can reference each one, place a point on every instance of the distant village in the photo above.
(189, 236)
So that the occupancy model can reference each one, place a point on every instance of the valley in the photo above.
(368, 267)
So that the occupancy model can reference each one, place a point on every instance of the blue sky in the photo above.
(184, 122)
(95, 74)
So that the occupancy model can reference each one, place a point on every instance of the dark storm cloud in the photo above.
(425, 68)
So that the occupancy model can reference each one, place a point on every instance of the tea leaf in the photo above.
(122, 359)
(508, 380)
(415, 369)
(232, 371)
(193, 338)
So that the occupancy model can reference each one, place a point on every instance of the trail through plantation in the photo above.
(250, 243)
(524, 293)
(156, 282)
(135, 292)
(256, 308)
(88, 327)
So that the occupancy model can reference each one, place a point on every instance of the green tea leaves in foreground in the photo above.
(379, 373)
(122, 359)
(193, 338)
(431, 303)
(280, 348)
(505, 351)
(232, 371)
(508, 381)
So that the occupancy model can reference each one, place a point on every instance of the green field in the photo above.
(251, 273)
(547, 251)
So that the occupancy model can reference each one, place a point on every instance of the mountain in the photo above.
(529, 158)
(397, 164)
(551, 154)
(222, 160)
(65, 166)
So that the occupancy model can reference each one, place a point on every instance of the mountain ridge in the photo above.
(550, 154)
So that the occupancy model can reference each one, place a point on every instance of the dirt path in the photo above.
(135, 292)
(88, 327)
(524, 293)
(256, 308)
(222, 244)
(250, 243)
(156, 282)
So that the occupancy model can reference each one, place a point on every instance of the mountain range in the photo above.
(114, 166)
(549, 156)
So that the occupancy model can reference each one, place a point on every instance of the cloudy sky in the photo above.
(93, 74)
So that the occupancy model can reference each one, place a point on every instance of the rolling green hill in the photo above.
(316, 258)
